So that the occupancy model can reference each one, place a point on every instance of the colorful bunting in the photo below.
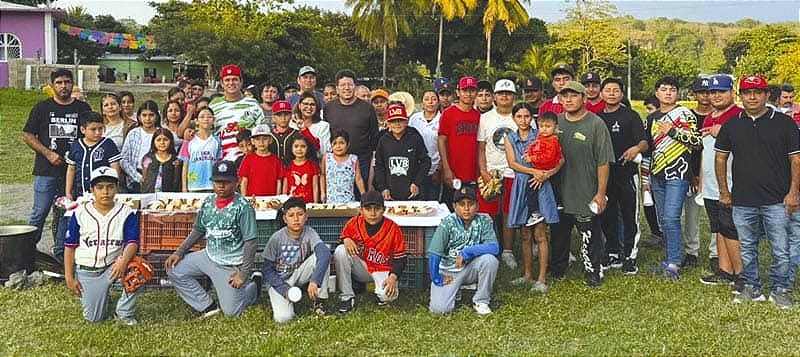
(122, 40)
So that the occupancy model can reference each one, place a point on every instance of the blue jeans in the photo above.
(669, 196)
(773, 220)
(45, 191)
(794, 246)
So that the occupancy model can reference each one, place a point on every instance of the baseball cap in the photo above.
(306, 69)
(230, 70)
(379, 93)
(504, 85)
(531, 84)
(753, 82)
(466, 192)
(224, 171)
(103, 171)
(259, 130)
(701, 84)
(484, 84)
(290, 86)
(442, 84)
(281, 106)
(467, 82)
(590, 77)
(562, 68)
(574, 87)
(371, 198)
(395, 112)
(722, 82)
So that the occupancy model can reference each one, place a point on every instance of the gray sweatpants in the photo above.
(95, 293)
(196, 264)
(283, 309)
(482, 270)
(352, 267)
(691, 229)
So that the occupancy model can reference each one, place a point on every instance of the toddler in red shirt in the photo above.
(261, 173)
(544, 153)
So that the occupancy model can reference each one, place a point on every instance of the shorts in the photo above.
(492, 207)
(721, 219)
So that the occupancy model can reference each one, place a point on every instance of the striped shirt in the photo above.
(230, 117)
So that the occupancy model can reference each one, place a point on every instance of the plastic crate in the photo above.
(160, 279)
(328, 228)
(414, 238)
(165, 232)
(414, 276)
(429, 231)
(264, 230)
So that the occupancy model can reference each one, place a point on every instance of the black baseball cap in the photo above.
(371, 198)
(564, 69)
(484, 84)
(224, 171)
(590, 77)
(700, 84)
(531, 84)
(465, 192)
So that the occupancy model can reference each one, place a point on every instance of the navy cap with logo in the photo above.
(700, 84)
(442, 84)
(224, 171)
(465, 192)
(590, 77)
(720, 82)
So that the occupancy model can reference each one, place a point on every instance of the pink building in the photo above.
(26, 32)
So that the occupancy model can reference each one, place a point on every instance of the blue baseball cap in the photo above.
(722, 82)
(442, 84)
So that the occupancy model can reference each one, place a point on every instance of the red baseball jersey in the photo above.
(379, 250)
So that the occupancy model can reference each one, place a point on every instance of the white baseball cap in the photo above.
(103, 171)
(505, 85)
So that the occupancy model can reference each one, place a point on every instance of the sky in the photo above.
(727, 11)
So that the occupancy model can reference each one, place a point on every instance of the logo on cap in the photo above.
(396, 111)
(222, 168)
(705, 82)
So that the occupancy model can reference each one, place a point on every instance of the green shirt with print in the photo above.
(451, 238)
(226, 229)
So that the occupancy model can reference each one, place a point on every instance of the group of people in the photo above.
(505, 167)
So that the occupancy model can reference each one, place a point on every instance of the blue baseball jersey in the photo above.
(87, 158)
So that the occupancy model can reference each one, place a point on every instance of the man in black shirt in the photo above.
(629, 141)
(766, 190)
(51, 127)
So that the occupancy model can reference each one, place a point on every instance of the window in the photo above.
(10, 47)
(150, 72)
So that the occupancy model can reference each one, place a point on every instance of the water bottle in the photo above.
(647, 199)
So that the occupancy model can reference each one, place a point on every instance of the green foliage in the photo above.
(655, 64)
(510, 13)
(786, 66)
(88, 51)
(539, 61)
(411, 77)
(590, 35)
(755, 51)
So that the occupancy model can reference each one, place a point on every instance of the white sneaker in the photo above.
(508, 259)
(572, 258)
(482, 308)
(534, 219)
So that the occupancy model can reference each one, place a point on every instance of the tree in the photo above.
(786, 65)
(379, 22)
(756, 50)
(655, 64)
(449, 10)
(510, 12)
(88, 52)
(539, 61)
(589, 33)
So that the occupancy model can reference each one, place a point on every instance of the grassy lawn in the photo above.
(15, 105)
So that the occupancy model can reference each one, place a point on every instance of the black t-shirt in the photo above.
(360, 122)
(626, 129)
(760, 149)
(697, 155)
(56, 127)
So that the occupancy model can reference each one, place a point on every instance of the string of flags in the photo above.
(122, 40)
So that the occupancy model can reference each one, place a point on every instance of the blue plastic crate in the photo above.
(264, 230)
(328, 228)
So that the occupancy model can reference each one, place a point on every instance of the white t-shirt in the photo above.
(430, 134)
(710, 184)
(492, 130)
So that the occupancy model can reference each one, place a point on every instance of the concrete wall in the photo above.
(40, 74)
(29, 28)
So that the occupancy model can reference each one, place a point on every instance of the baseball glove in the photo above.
(139, 272)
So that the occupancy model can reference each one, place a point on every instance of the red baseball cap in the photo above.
(467, 82)
(396, 111)
(281, 106)
(230, 70)
(753, 82)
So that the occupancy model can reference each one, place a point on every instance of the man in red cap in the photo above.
(766, 196)
(401, 159)
(233, 111)
(458, 140)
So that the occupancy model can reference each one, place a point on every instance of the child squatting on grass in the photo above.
(228, 222)
(103, 237)
(295, 256)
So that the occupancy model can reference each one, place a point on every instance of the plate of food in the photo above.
(410, 210)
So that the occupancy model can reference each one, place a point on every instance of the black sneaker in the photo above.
(718, 278)
(320, 309)
(593, 279)
(257, 278)
(689, 261)
(211, 310)
(629, 266)
(713, 264)
(614, 261)
(346, 306)
(738, 285)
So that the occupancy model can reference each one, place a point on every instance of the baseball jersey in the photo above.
(461, 130)
(99, 239)
(380, 250)
(87, 158)
(226, 229)
(451, 238)
(230, 117)
(551, 105)
(200, 155)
